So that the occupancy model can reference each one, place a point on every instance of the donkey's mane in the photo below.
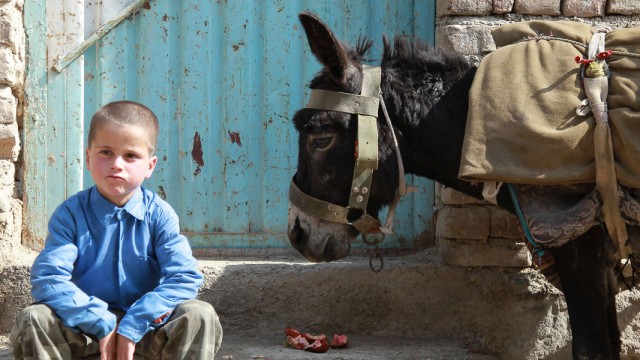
(417, 75)
(418, 53)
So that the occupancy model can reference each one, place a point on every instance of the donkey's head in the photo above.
(327, 153)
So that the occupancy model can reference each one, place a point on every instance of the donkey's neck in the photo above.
(431, 140)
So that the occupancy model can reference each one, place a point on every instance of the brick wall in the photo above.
(490, 235)
(12, 71)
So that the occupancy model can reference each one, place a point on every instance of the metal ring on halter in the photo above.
(378, 239)
(376, 254)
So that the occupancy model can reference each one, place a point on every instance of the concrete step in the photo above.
(411, 305)
(415, 308)
(361, 348)
(5, 353)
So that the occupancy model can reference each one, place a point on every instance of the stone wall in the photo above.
(12, 74)
(490, 236)
(14, 258)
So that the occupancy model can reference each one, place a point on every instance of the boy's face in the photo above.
(119, 161)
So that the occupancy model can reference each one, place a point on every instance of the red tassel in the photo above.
(604, 55)
(580, 60)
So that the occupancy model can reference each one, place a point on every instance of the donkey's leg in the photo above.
(613, 289)
(612, 316)
(586, 274)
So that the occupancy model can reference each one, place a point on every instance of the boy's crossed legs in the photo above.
(193, 331)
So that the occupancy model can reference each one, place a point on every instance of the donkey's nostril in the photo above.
(296, 234)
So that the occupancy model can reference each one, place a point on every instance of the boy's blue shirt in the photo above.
(98, 257)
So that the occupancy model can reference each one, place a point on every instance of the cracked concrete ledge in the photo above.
(415, 298)
(415, 308)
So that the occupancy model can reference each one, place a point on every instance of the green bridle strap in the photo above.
(366, 223)
(366, 106)
(319, 208)
(367, 148)
(343, 102)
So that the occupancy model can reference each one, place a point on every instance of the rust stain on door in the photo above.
(196, 153)
(235, 138)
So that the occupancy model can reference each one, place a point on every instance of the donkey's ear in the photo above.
(326, 48)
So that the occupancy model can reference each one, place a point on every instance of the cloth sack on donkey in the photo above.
(522, 123)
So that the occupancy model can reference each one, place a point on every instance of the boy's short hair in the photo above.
(126, 112)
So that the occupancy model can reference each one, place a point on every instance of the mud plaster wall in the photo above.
(491, 237)
(14, 258)
(12, 74)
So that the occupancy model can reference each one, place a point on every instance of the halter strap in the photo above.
(366, 106)
(343, 102)
(324, 210)
(319, 208)
(367, 147)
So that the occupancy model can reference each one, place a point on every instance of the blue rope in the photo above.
(525, 227)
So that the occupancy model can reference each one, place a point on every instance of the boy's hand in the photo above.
(108, 346)
(126, 348)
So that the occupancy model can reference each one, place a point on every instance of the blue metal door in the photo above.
(224, 78)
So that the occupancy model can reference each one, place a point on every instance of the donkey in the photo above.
(426, 96)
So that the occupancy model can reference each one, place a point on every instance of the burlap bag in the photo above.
(522, 124)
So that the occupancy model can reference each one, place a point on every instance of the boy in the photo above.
(116, 277)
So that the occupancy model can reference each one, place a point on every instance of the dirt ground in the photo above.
(361, 348)
(5, 353)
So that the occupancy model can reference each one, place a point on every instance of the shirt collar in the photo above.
(105, 209)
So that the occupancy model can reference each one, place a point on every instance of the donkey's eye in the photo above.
(321, 143)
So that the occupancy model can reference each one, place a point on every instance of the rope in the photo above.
(596, 89)
(523, 223)
(573, 42)
(402, 189)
